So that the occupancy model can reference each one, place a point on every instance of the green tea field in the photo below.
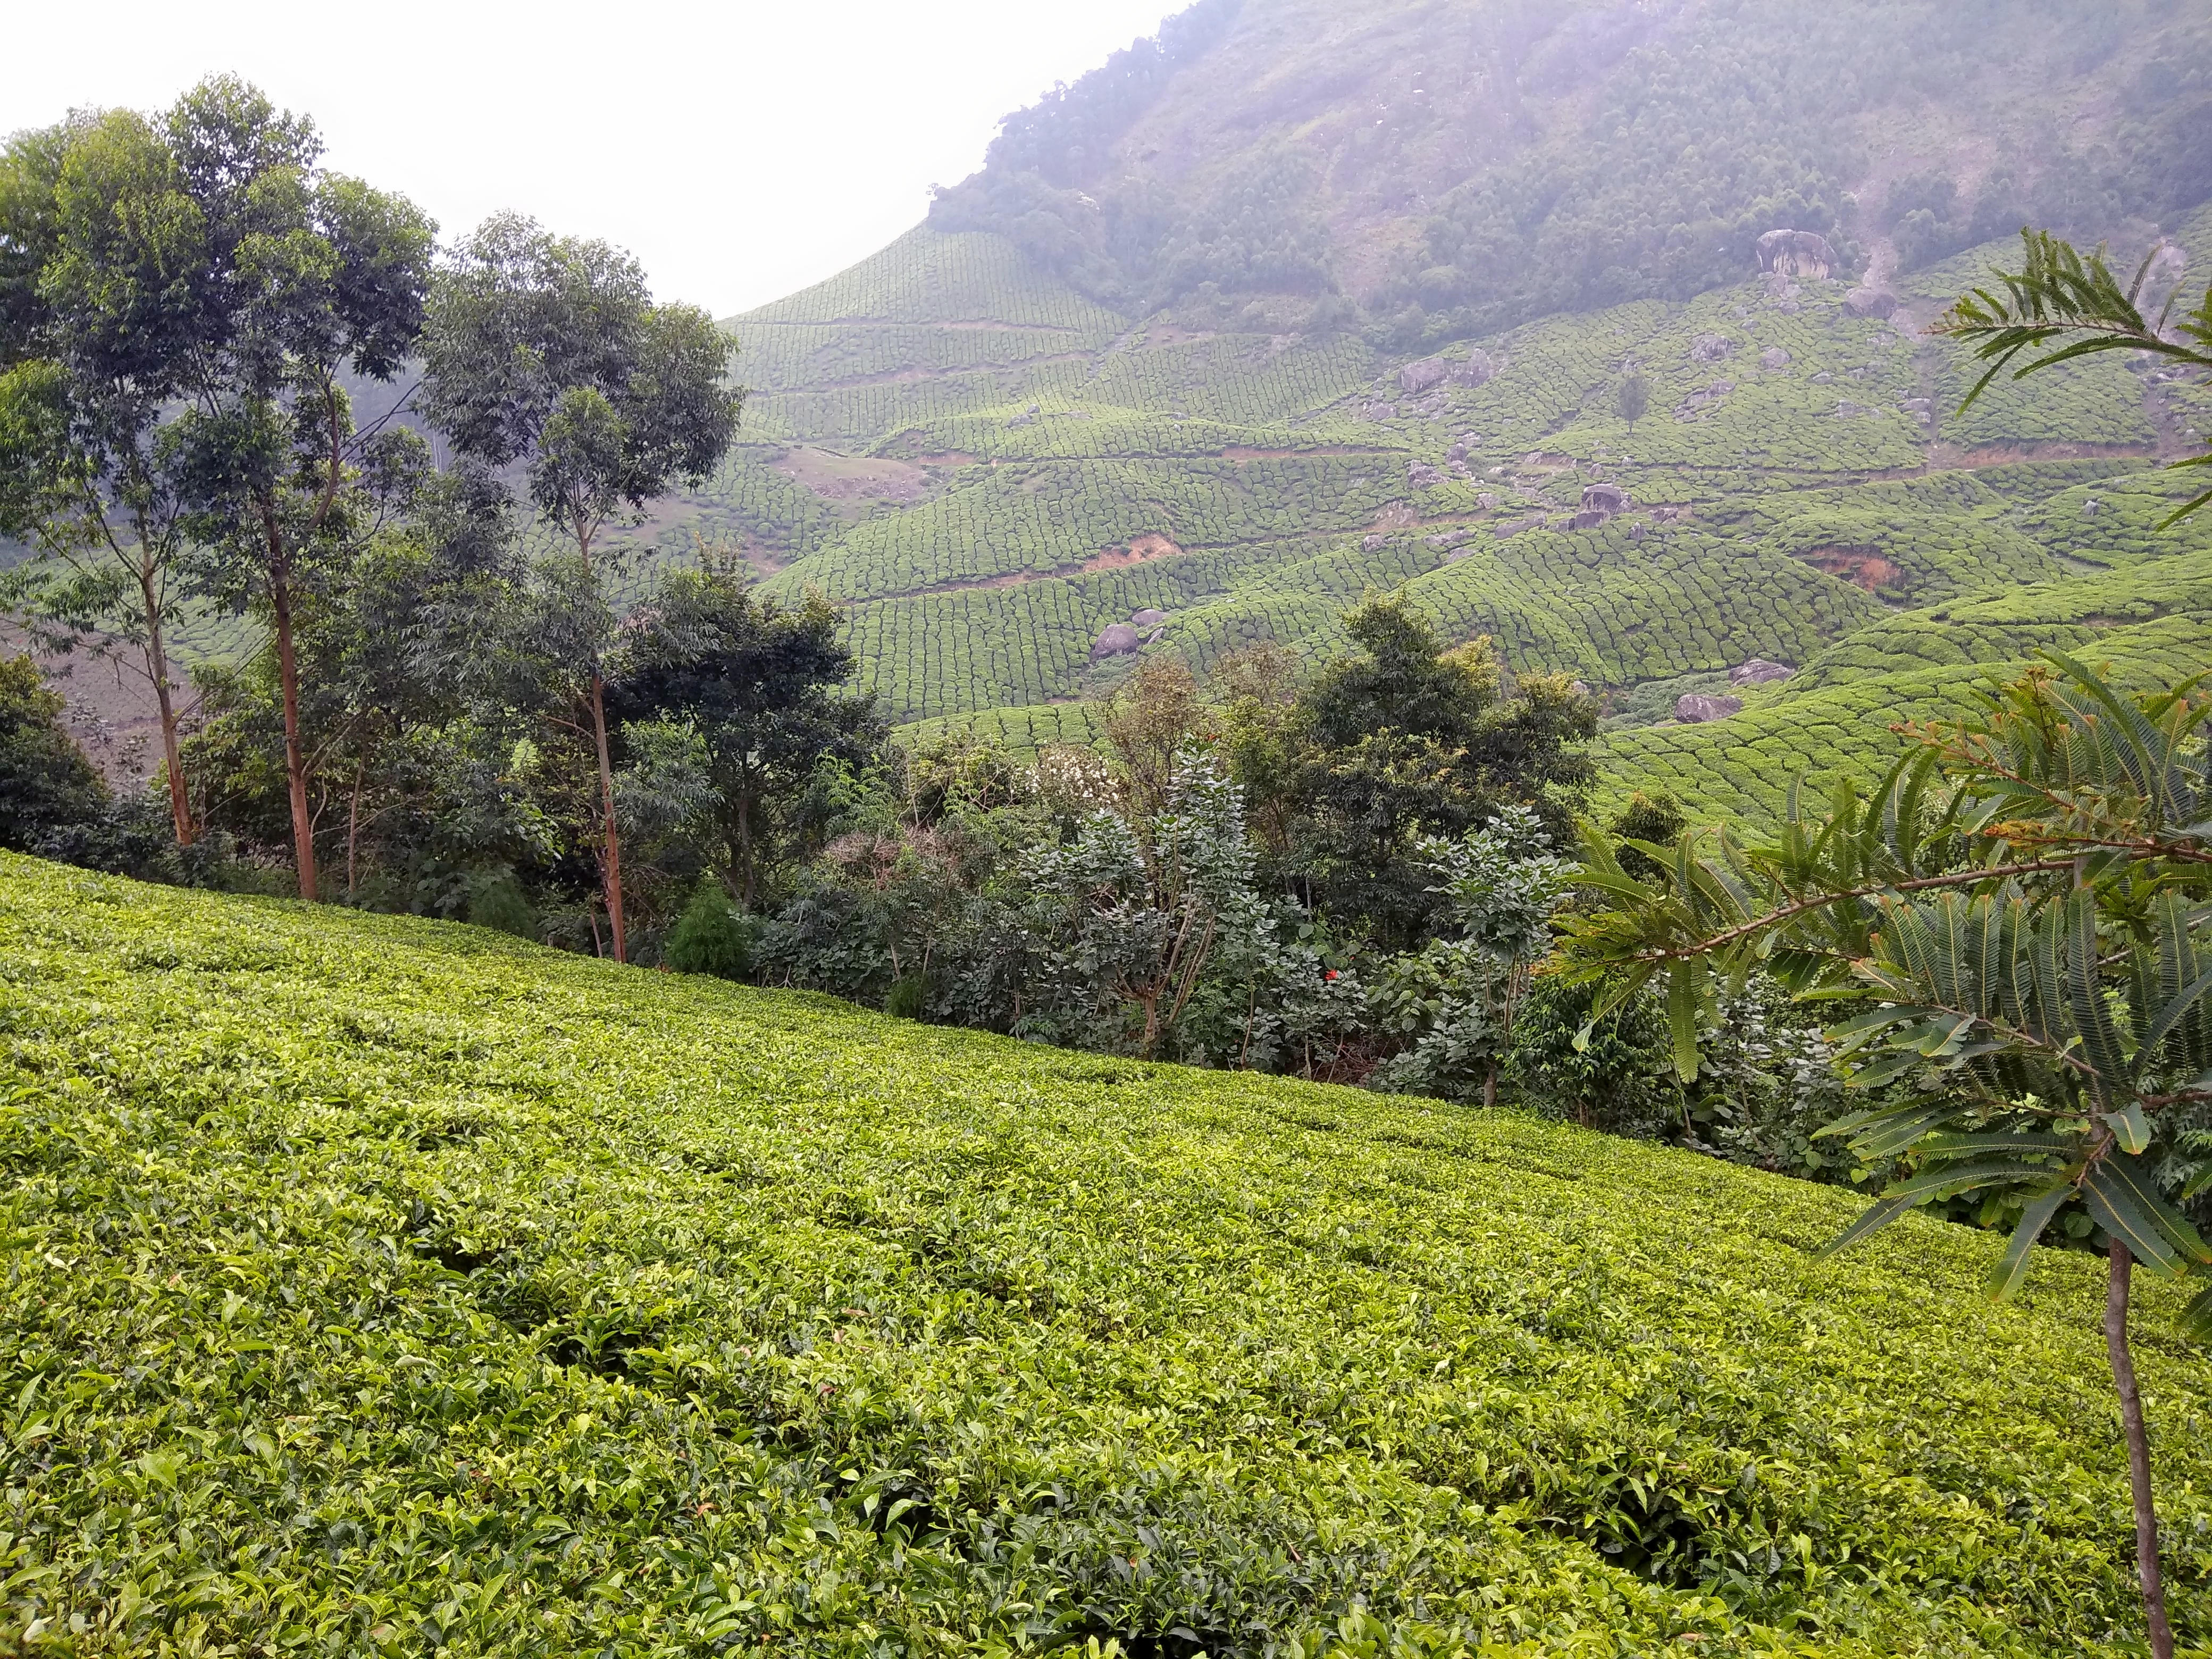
(987, 470)
(382, 1286)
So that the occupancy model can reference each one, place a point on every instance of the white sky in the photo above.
(741, 151)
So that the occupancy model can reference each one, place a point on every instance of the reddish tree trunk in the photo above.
(2132, 1417)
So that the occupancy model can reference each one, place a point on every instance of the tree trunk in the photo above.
(613, 861)
(295, 753)
(157, 670)
(353, 831)
(1489, 1085)
(742, 846)
(2131, 1416)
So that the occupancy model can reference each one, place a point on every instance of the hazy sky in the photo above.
(741, 151)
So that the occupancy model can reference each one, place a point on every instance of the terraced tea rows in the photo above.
(1779, 496)
(987, 468)
(418, 1279)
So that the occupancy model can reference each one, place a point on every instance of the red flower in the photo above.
(1331, 974)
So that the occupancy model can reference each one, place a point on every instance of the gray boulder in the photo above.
(1479, 368)
(1417, 378)
(1795, 253)
(1604, 498)
(1870, 303)
(1694, 709)
(1118, 639)
(1758, 671)
(1419, 474)
(1710, 348)
(1149, 618)
(1774, 357)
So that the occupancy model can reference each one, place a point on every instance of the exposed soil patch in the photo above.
(1242, 454)
(1949, 455)
(984, 326)
(1150, 546)
(835, 478)
(1396, 516)
(1863, 565)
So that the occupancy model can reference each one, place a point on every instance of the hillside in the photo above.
(1073, 396)
(1295, 301)
(379, 1285)
(1447, 168)
(987, 469)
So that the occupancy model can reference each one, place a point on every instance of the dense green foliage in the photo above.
(415, 1277)
(1575, 155)
(47, 784)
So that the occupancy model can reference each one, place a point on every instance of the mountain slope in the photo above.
(378, 1284)
(991, 444)
(1447, 167)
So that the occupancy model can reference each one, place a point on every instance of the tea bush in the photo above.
(382, 1286)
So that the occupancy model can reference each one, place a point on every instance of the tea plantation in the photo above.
(1800, 475)
(382, 1286)
(985, 469)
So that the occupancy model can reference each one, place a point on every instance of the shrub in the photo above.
(908, 998)
(711, 937)
(47, 788)
(1622, 1080)
(500, 903)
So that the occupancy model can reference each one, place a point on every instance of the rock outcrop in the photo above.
(1148, 618)
(1870, 303)
(1604, 499)
(1117, 639)
(1696, 402)
(1758, 671)
(1479, 368)
(1773, 358)
(1419, 474)
(1795, 253)
(1710, 348)
(1693, 708)
(1429, 373)
(1416, 378)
